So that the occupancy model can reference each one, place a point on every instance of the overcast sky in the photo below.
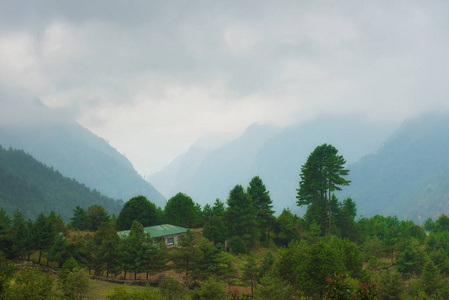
(151, 77)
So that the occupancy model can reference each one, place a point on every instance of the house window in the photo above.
(170, 241)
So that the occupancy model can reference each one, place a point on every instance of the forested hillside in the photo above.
(34, 188)
(409, 176)
(76, 152)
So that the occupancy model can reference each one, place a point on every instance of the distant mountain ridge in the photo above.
(275, 154)
(75, 152)
(409, 175)
(33, 188)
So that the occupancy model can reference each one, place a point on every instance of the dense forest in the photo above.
(237, 249)
(33, 188)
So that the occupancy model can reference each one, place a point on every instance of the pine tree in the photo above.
(321, 175)
(262, 204)
(240, 216)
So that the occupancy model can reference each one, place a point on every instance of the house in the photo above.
(169, 234)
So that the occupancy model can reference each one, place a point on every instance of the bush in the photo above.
(237, 245)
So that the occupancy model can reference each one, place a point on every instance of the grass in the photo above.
(101, 289)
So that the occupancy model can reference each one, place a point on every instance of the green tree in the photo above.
(58, 251)
(7, 270)
(250, 272)
(31, 283)
(79, 219)
(138, 209)
(218, 209)
(44, 233)
(211, 289)
(411, 259)
(215, 230)
(286, 228)
(171, 289)
(21, 235)
(135, 249)
(391, 235)
(345, 219)
(225, 269)
(320, 262)
(77, 284)
(391, 285)
(262, 204)
(274, 288)
(96, 214)
(183, 257)
(107, 244)
(240, 216)
(180, 210)
(321, 175)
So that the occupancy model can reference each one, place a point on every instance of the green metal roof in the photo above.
(157, 231)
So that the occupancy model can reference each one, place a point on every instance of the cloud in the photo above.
(152, 77)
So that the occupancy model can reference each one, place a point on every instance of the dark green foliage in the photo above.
(339, 288)
(411, 259)
(135, 249)
(44, 234)
(34, 188)
(22, 243)
(79, 219)
(250, 272)
(240, 216)
(137, 209)
(286, 228)
(319, 262)
(321, 175)
(206, 213)
(345, 219)
(224, 269)
(107, 244)
(210, 289)
(391, 285)
(77, 284)
(183, 257)
(180, 210)
(218, 209)
(215, 230)
(237, 245)
(171, 289)
(262, 204)
(96, 214)
(59, 251)
(274, 288)
(7, 270)
(32, 283)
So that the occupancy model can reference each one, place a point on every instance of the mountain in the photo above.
(57, 141)
(409, 175)
(34, 188)
(275, 154)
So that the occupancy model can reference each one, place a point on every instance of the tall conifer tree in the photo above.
(321, 175)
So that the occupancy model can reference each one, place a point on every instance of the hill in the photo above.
(34, 188)
(74, 151)
(409, 175)
(275, 154)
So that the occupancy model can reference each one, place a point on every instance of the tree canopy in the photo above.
(321, 175)
(180, 210)
(137, 209)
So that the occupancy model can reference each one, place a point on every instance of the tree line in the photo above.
(327, 253)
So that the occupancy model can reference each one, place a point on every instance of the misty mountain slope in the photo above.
(77, 153)
(408, 177)
(33, 188)
(276, 155)
(206, 175)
